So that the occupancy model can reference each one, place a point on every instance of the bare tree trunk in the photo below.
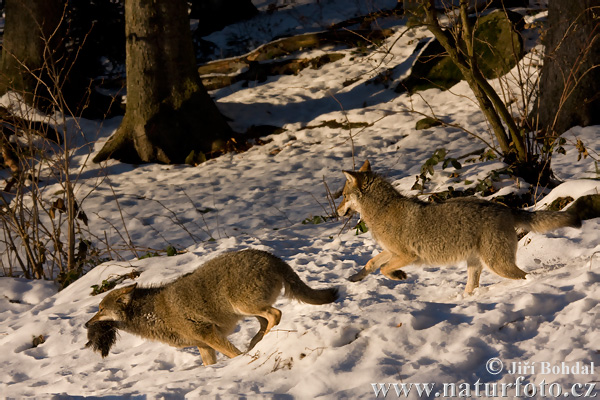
(169, 113)
(31, 38)
(570, 78)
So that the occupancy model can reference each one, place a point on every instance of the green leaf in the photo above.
(171, 251)
(361, 227)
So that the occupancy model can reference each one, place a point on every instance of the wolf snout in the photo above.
(343, 211)
(90, 322)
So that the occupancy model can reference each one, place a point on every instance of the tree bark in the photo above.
(570, 77)
(168, 113)
(32, 44)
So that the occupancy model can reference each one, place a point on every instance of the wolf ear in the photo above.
(366, 167)
(354, 178)
(125, 295)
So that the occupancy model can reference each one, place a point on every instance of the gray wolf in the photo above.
(411, 231)
(202, 308)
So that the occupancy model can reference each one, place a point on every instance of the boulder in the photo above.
(498, 47)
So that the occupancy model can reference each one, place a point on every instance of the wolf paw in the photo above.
(398, 275)
(357, 277)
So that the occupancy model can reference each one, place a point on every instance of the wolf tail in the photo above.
(543, 221)
(295, 288)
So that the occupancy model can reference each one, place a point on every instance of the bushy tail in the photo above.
(295, 288)
(543, 221)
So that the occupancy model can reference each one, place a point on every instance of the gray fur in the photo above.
(411, 231)
(202, 308)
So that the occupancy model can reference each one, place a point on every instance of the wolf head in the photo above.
(114, 306)
(355, 183)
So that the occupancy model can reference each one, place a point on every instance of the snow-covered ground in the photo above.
(419, 331)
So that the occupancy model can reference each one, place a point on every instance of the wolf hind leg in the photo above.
(507, 270)
(260, 334)
(500, 254)
(271, 314)
(474, 267)
(273, 317)
(374, 263)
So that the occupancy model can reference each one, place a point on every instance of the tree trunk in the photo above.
(168, 113)
(570, 77)
(31, 45)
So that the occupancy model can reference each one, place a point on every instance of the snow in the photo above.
(417, 331)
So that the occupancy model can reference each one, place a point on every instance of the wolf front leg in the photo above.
(374, 263)
(208, 355)
(392, 268)
(474, 267)
(210, 338)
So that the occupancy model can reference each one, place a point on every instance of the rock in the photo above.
(498, 47)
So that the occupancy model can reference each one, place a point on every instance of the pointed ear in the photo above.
(366, 167)
(355, 178)
(352, 177)
(125, 295)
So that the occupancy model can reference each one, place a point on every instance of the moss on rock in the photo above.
(498, 47)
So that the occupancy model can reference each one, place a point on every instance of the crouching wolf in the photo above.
(411, 231)
(203, 307)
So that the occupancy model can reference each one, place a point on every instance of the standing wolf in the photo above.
(203, 307)
(411, 231)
